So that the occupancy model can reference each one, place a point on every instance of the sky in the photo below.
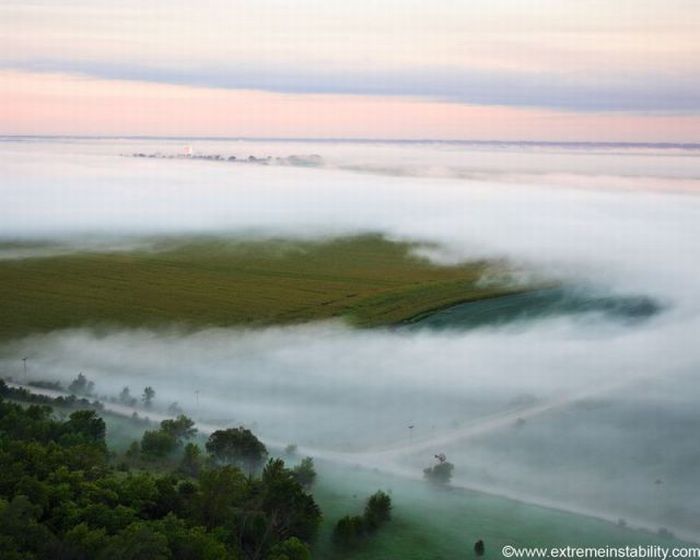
(453, 69)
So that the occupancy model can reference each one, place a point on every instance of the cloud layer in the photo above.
(635, 92)
(607, 407)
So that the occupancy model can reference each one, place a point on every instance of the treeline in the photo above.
(83, 388)
(60, 498)
(352, 529)
(24, 395)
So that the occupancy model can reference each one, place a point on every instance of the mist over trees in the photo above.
(192, 461)
(147, 396)
(305, 473)
(441, 472)
(237, 446)
(61, 499)
(351, 529)
(126, 399)
(81, 386)
(159, 444)
(181, 428)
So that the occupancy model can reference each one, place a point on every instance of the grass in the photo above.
(214, 282)
(429, 523)
(443, 524)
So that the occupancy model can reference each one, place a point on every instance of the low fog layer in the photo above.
(58, 190)
(492, 399)
(580, 410)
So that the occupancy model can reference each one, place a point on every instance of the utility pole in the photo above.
(24, 362)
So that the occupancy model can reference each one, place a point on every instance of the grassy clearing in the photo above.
(214, 282)
(427, 522)
(432, 524)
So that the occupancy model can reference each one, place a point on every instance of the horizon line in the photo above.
(648, 144)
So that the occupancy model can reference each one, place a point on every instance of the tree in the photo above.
(290, 509)
(191, 543)
(181, 428)
(238, 446)
(84, 542)
(441, 473)
(304, 473)
(349, 530)
(352, 528)
(191, 463)
(220, 490)
(137, 542)
(148, 395)
(19, 525)
(134, 450)
(88, 425)
(81, 386)
(157, 444)
(377, 510)
(126, 398)
(61, 498)
(291, 549)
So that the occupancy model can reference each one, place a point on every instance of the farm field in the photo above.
(203, 282)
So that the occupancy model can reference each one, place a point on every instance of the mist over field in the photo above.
(573, 210)
(582, 411)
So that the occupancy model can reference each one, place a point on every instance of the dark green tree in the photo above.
(377, 510)
(284, 500)
(87, 425)
(137, 542)
(349, 530)
(157, 444)
(21, 534)
(237, 446)
(84, 543)
(191, 543)
(181, 428)
(60, 498)
(291, 549)
(221, 490)
(191, 463)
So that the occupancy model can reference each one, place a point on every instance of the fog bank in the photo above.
(580, 409)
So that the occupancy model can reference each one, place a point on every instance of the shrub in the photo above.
(440, 473)
(377, 510)
(349, 530)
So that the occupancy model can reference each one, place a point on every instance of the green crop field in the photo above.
(199, 282)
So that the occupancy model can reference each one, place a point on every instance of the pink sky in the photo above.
(483, 69)
(42, 103)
